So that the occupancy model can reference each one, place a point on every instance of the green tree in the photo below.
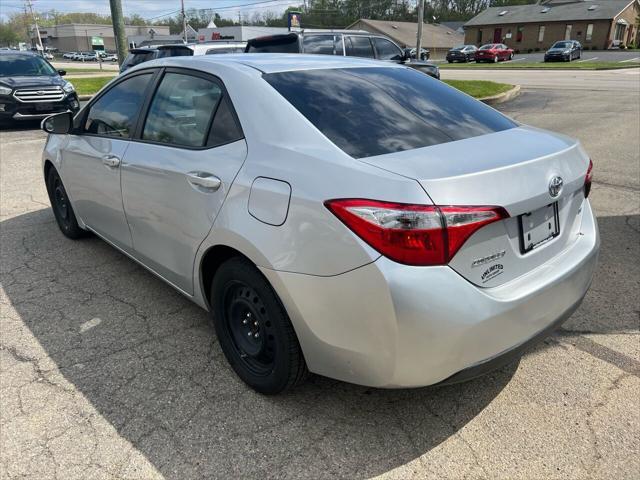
(8, 36)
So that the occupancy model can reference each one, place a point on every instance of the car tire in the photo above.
(61, 206)
(511, 56)
(254, 330)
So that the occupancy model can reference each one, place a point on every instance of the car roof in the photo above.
(18, 52)
(274, 62)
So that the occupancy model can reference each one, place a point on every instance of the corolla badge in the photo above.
(555, 186)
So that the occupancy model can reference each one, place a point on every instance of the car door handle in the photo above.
(111, 161)
(204, 180)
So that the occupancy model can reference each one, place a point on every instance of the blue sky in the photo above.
(153, 8)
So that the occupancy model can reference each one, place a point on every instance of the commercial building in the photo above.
(597, 24)
(239, 33)
(76, 37)
(438, 38)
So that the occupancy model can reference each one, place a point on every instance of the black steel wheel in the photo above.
(62, 209)
(254, 330)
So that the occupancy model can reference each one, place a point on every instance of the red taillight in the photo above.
(413, 234)
(587, 179)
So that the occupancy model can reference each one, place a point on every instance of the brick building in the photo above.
(599, 24)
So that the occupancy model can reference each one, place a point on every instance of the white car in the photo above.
(69, 55)
(343, 216)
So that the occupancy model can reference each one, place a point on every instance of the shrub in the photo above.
(529, 50)
(537, 49)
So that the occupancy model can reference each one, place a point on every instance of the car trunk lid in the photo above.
(510, 169)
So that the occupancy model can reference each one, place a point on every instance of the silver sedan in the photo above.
(335, 215)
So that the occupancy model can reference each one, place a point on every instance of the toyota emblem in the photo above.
(555, 186)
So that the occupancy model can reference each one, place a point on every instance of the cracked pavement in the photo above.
(107, 373)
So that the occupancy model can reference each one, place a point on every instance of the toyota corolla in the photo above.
(338, 216)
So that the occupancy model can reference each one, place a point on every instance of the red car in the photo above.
(494, 52)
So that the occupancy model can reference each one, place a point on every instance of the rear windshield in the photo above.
(276, 44)
(139, 57)
(215, 51)
(373, 111)
(174, 52)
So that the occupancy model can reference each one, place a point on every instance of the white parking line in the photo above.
(586, 60)
(637, 59)
(518, 59)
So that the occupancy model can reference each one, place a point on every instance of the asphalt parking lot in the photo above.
(106, 372)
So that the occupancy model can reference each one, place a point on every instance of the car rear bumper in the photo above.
(390, 325)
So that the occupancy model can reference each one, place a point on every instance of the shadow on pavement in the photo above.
(148, 361)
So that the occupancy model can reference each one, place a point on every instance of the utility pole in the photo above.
(420, 22)
(184, 21)
(118, 29)
(35, 22)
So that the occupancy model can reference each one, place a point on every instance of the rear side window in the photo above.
(318, 44)
(181, 110)
(374, 111)
(115, 113)
(358, 47)
(225, 127)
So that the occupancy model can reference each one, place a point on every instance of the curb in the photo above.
(502, 97)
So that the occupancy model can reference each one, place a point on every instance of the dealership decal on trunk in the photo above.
(492, 272)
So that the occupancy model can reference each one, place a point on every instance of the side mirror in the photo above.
(60, 123)
(62, 73)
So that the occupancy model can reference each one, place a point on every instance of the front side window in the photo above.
(115, 113)
(181, 110)
(386, 49)
(318, 44)
(358, 47)
(376, 110)
(22, 65)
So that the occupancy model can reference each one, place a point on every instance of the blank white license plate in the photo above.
(538, 227)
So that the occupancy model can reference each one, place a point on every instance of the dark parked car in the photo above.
(140, 55)
(348, 43)
(494, 52)
(31, 89)
(564, 51)
(462, 53)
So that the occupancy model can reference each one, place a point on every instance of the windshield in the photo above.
(562, 45)
(458, 47)
(487, 47)
(377, 110)
(25, 66)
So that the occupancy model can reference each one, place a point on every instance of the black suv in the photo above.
(347, 43)
(31, 89)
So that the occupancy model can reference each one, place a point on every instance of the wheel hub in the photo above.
(250, 329)
(61, 201)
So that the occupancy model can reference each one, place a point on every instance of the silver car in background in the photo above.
(341, 216)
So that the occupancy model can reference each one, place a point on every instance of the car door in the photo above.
(177, 173)
(92, 157)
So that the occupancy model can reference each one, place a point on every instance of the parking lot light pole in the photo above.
(118, 29)
(420, 22)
